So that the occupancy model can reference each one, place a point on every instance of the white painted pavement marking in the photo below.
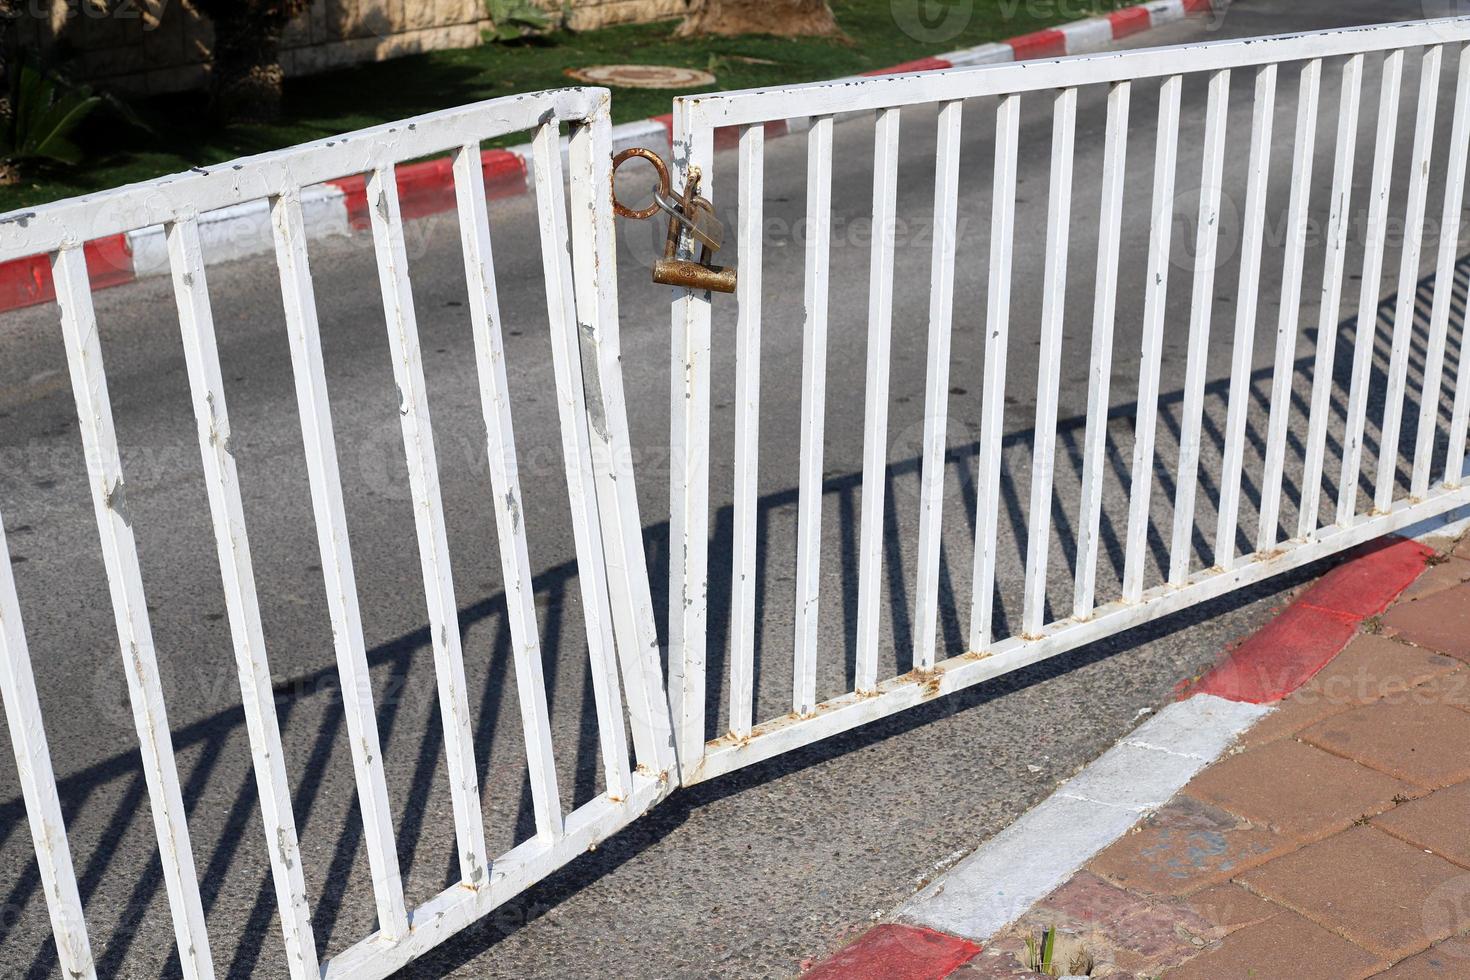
(1023, 863)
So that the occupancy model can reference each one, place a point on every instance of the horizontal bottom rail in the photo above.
(729, 752)
(460, 906)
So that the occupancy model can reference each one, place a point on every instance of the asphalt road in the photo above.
(751, 873)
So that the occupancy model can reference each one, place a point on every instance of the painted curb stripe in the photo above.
(1129, 21)
(27, 281)
(428, 188)
(1373, 577)
(1050, 43)
(893, 951)
(920, 64)
(1288, 651)
(1024, 863)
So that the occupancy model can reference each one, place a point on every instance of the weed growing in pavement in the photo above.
(1046, 951)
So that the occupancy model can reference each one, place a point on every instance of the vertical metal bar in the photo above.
(1444, 290)
(1202, 306)
(997, 336)
(813, 413)
(689, 372)
(1308, 95)
(1454, 472)
(330, 512)
(1338, 222)
(428, 516)
(1156, 291)
(747, 428)
(130, 607)
(595, 269)
(875, 414)
(505, 483)
(936, 394)
(1252, 233)
(207, 392)
(1099, 372)
(1367, 328)
(38, 783)
(1053, 314)
(566, 359)
(1408, 292)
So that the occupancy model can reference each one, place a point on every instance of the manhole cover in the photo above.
(642, 76)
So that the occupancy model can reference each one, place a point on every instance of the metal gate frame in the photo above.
(579, 257)
(580, 266)
(697, 117)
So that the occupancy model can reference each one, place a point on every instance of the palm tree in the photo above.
(246, 62)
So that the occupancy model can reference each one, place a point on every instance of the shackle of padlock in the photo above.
(691, 216)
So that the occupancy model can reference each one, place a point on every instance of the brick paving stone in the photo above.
(1374, 667)
(1440, 622)
(1284, 946)
(1087, 904)
(1370, 667)
(1298, 711)
(1186, 846)
(995, 962)
(1369, 887)
(1126, 935)
(1428, 744)
(1450, 959)
(1230, 907)
(1439, 822)
(1443, 575)
(1451, 689)
(1297, 789)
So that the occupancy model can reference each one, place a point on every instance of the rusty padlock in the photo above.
(690, 217)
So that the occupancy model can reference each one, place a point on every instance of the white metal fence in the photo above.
(581, 299)
(1409, 478)
(1142, 595)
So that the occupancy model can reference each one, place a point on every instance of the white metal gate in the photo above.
(579, 261)
(815, 107)
(580, 275)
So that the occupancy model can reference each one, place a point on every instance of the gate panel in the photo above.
(1147, 586)
(580, 271)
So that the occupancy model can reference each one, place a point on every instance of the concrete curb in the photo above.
(1024, 863)
(993, 887)
(340, 206)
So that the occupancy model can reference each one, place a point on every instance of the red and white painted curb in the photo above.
(943, 926)
(340, 206)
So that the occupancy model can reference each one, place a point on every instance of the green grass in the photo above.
(337, 102)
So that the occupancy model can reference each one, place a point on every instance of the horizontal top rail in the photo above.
(749, 106)
(64, 224)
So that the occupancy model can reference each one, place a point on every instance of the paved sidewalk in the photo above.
(1332, 842)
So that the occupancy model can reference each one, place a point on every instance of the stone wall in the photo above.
(155, 46)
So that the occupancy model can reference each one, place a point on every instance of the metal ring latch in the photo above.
(663, 182)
